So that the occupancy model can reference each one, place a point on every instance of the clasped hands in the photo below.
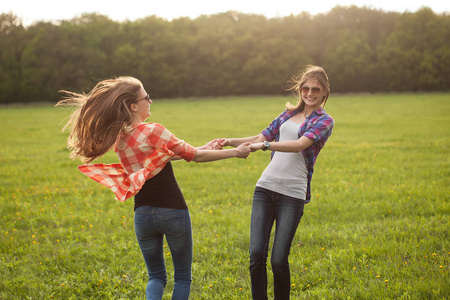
(218, 144)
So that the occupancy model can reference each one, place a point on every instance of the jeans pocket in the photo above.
(141, 227)
(174, 221)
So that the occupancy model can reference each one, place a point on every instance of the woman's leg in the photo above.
(151, 244)
(263, 214)
(178, 231)
(287, 215)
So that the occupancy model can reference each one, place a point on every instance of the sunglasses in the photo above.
(314, 90)
(147, 97)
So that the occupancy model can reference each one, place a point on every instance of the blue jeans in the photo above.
(269, 206)
(151, 225)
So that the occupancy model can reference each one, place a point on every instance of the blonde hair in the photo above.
(100, 117)
(296, 83)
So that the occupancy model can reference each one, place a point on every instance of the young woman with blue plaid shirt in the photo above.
(295, 138)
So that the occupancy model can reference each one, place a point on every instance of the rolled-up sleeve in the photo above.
(163, 138)
(320, 129)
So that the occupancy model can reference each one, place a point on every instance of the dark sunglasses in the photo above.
(147, 97)
(314, 90)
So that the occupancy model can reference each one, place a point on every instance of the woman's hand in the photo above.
(205, 155)
(243, 150)
(216, 144)
(220, 143)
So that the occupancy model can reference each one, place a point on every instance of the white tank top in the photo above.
(286, 173)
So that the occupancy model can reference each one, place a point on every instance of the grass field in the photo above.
(377, 226)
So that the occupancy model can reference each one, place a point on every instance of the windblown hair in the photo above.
(100, 117)
(296, 83)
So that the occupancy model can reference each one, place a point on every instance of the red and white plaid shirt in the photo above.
(143, 152)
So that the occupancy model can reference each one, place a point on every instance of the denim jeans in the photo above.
(151, 225)
(269, 207)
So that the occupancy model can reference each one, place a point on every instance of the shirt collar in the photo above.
(319, 111)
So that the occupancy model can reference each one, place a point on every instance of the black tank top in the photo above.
(161, 190)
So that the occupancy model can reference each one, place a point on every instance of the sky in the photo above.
(30, 11)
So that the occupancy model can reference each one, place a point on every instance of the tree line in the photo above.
(362, 50)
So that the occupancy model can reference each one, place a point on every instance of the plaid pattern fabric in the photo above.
(317, 127)
(143, 152)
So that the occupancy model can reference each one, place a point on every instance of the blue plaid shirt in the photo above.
(317, 127)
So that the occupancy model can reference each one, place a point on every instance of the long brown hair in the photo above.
(296, 83)
(100, 117)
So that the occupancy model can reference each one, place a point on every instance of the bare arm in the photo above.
(212, 145)
(212, 155)
(235, 142)
(286, 146)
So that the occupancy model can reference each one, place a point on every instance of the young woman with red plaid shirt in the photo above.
(112, 116)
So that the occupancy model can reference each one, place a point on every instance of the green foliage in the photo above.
(229, 53)
(377, 226)
(418, 45)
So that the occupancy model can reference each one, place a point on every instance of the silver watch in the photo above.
(266, 145)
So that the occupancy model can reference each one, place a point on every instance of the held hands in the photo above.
(243, 150)
(217, 144)
(220, 143)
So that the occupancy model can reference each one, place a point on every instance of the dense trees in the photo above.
(363, 50)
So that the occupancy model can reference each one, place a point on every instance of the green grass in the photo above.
(377, 226)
